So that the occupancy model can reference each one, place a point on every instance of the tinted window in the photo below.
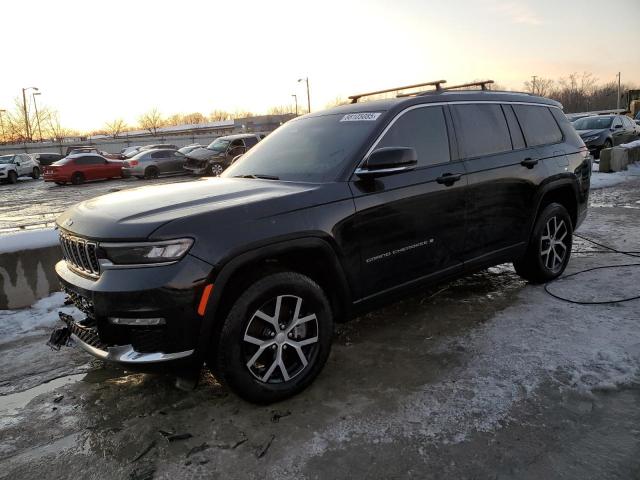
(593, 123)
(538, 125)
(160, 154)
(250, 141)
(480, 129)
(425, 130)
(627, 122)
(514, 128)
(617, 121)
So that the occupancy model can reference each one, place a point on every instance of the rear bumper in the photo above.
(170, 292)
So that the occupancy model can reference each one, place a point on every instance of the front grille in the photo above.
(80, 254)
(86, 334)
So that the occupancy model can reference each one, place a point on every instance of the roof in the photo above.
(437, 97)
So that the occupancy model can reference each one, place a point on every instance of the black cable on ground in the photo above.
(608, 250)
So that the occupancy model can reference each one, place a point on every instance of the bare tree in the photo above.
(115, 128)
(541, 86)
(336, 102)
(219, 115)
(240, 113)
(280, 110)
(151, 121)
(193, 118)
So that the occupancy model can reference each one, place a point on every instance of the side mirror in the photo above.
(617, 126)
(387, 161)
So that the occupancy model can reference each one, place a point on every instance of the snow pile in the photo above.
(634, 144)
(604, 180)
(31, 240)
(41, 316)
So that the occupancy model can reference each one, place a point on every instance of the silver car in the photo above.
(153, 163)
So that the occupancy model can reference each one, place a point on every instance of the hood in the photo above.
(5, 164)
(203, 154)
(589, 133)
(136, 213)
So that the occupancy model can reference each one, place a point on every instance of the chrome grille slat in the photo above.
(80, 254)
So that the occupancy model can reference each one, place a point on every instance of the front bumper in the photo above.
(195, 170)
(4, 174)
(171, 292)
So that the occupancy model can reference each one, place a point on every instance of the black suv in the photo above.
(332, 213)
(220, 153)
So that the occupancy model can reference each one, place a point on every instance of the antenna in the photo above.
(435, 83)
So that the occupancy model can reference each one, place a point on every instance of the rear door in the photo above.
(619, 134)
(411, 226)
(163, 160)
(501, 188)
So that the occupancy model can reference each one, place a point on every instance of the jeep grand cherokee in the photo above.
(330, 214)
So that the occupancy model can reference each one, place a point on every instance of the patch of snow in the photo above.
(604, 180)
(15, 242)
(42, 315)
(634, 144)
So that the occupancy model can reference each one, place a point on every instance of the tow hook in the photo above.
(61, 336)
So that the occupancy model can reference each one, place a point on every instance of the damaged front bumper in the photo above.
(138, 315)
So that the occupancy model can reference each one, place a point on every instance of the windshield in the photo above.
(593, 123)
(312, 149)
(219, 145)
(6, 158)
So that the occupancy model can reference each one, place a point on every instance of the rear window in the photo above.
(425, 130)
(480, 129)
(538, 125)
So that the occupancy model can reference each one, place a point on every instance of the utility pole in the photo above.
(533, 84)
(618, 99)
(295, 98)
(33, 94)
(306, 79)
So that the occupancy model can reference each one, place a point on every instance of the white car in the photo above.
(18, 165)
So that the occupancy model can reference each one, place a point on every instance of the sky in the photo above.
(96, 61)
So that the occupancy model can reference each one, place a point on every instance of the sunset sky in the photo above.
(95, 61)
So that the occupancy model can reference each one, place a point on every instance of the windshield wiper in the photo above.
(263, 177)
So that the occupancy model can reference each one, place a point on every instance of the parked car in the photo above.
(154, 163)
(82, 167)
(18, 165)
(46, 158)
(74, 150)
(220, 153)
(190, 148)
(129, 152)
(606, 131)
(155, 146)
(331, 215)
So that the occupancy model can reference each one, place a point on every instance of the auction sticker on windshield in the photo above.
(361, 117)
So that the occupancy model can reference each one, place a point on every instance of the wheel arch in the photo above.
(311, 256)
(564, 192)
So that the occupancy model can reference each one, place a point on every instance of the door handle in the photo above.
(529, 162)
(449, 179)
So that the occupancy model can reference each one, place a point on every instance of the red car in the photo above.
(80, 168)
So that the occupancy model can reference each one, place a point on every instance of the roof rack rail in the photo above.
(482, 84)
(435, 83)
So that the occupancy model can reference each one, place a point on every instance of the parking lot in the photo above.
(485, 377)
(35, 203)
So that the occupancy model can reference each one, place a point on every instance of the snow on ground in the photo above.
(42, 315)
(603, 180)
(28, 240)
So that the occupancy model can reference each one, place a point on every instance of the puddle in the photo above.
(10, 404)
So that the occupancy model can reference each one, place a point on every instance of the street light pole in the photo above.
(37, 116)
(24, 108)
(306, 79)
(295, 97)
(618, 99)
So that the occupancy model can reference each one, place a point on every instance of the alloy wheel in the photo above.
(553, 244)
(281, 340)
(216, 169)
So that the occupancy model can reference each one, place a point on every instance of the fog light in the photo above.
(137, 321)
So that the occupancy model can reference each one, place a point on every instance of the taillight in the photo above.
(133, 163)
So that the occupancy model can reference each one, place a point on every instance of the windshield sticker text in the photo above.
(361, 117)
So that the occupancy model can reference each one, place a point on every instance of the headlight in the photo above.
(591, 138)
(2, 169)
(143, 253)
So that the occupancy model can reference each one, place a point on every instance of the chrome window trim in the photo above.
(440, 104)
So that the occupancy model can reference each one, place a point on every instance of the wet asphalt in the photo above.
(483, 377)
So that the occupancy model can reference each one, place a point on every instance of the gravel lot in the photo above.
(34, 203)
(484, 377)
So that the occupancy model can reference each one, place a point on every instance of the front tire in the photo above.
(35, 174)
(214, 170)
(549, 247)
(275, 339)
(12, 177)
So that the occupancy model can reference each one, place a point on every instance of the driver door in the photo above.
(410, 226)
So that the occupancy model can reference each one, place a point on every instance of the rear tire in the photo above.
(77, 178)
(150, 173)
(549, 247)
(12, 177)
(35, 174)
(61, 183)
(264, 352)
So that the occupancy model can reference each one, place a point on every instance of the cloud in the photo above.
(519, 12)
